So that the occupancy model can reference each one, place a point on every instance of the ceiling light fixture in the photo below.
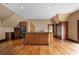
(22, 7)
(49, 7)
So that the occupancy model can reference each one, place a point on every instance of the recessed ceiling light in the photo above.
(22, 7)
(49, 7)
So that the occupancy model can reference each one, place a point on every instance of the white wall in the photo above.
(41, 24)
(0, 23)
(72, 26)
(4, 11)
(1, 32)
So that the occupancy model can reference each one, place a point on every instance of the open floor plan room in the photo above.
(39, 28)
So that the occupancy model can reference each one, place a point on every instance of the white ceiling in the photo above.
(41, 10)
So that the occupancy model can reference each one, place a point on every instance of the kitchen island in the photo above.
(38, 38)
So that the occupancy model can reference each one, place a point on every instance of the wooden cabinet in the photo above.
(17, 32)
(38, 38)
(9, 35)
(20, 30)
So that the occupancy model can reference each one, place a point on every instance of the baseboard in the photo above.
(55, 36)
(3, 40)
(73, 40)
(59, 37)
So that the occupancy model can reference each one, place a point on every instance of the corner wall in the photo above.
(72, 26)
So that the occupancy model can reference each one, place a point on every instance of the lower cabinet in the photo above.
(38, 38)
(9, 35)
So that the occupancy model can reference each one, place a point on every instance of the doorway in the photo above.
(50, 28)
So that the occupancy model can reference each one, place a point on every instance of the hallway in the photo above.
(56, 47)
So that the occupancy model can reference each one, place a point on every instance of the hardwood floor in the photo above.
(56, 47)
